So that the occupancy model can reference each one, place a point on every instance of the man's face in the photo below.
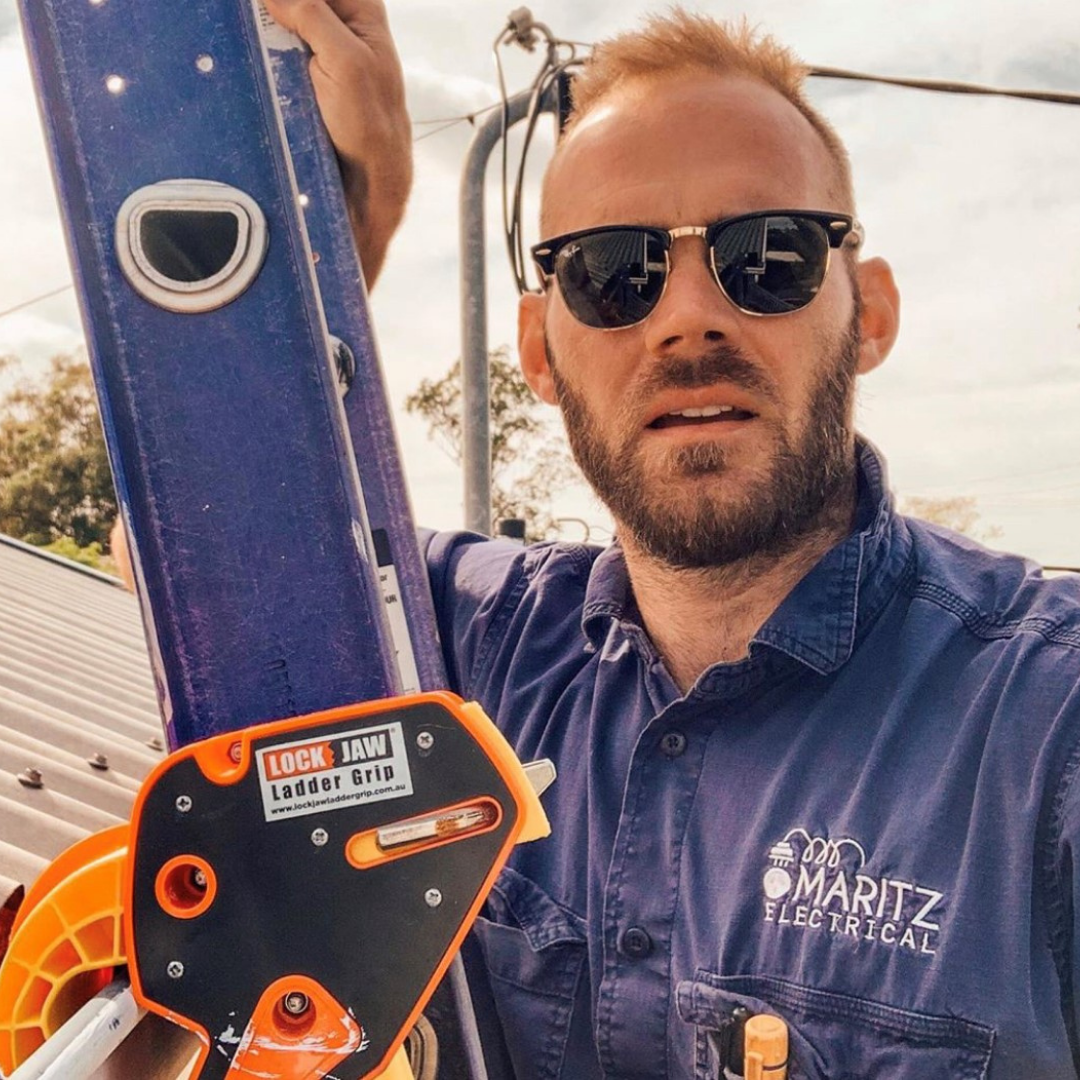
(710, 434)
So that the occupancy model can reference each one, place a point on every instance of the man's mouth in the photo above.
(707, 414)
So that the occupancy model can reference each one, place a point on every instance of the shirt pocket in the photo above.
(534, 951)
(836, 1036)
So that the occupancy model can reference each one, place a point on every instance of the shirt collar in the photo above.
(822, 618)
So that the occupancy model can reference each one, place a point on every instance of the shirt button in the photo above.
(673, 743)
(636, 943)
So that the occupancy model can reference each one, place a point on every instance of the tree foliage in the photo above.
(956, 512)
(55, 483)
(530, 462)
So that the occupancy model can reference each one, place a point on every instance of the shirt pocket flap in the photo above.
(838, 1036)
(516, 901)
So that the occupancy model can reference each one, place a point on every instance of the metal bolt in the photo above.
(295, 1003)
(319, 837)
(425, 740)
(31, 777)
(199, 877)
(344, 358)
(98, 761)
(175, 969)
(433, 897)
(183, 803)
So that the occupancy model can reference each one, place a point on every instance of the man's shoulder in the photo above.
(493, 595)
(478, 565)
(994, 594)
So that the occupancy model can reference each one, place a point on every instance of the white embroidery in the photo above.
(817, 883)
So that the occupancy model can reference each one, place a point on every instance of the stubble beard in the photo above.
(805, 489)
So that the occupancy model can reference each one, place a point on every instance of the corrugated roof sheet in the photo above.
(79, 725)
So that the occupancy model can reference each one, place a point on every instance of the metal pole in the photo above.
(476, 425)
(87, 1039)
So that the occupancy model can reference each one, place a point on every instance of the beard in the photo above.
(802, 487)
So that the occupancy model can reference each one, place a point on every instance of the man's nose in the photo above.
(693, 311)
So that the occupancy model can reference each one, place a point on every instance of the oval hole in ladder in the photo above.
(189, 245)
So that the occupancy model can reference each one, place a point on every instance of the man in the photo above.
(815, 759)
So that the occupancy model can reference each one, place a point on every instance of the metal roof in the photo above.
(79, 726)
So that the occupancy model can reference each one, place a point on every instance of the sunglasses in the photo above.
(768, 263)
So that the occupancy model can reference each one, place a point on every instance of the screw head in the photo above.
(183, 803)
(319, 837)
(295, 1003)
(199, 878)
(31, 777)
(175, 969)
(433, 898)
(425, 740)
(234, 752)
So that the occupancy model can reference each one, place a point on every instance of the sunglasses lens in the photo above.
(612, 277)
(772, 264)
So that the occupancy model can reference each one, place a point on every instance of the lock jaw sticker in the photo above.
(312, 775)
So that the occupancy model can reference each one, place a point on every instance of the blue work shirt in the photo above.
(866, 826)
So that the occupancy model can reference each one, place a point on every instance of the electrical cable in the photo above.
(522, 30)
(36, 299)
(945, 86)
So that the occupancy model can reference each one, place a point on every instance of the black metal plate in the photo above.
(285, 905)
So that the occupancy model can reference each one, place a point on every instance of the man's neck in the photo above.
(700, 617)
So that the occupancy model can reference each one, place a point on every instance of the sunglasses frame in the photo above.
(838, 229)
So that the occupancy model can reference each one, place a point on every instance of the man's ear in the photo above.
(532, 353)
(880, 318)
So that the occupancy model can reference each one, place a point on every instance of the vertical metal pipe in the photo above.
(476, 425)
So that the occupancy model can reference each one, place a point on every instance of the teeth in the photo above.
(708, 410)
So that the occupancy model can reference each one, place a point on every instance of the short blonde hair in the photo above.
(683, 42)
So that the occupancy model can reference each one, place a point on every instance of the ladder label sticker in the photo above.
(399, 630)
(274, 35)
(316, 774)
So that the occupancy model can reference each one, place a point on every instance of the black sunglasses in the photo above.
(768, 263)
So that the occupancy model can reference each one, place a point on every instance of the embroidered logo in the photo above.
(817, 884)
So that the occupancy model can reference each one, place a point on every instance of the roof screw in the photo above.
(31, 777)
(319, 837)
(175, 969)
(425, 740)
(155, 743)
(295, 1003)
(183, 803)
(433, 897)
(98, 761)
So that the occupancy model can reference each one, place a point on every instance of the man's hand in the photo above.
(361, 93)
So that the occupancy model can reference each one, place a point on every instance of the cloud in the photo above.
(973, 201)
(9, 18)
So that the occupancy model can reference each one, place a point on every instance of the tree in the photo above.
(956, 512)
(529, 461)
(56, 488)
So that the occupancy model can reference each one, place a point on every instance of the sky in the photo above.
(972, 200)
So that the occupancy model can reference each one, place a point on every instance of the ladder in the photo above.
(300, 871)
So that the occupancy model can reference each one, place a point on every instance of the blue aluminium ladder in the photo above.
(272, 541)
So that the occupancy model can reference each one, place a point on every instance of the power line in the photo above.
(465, 116)
(945, 86)
(36, 300)
(934, 85)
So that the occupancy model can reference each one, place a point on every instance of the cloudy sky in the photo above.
(973, 200)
